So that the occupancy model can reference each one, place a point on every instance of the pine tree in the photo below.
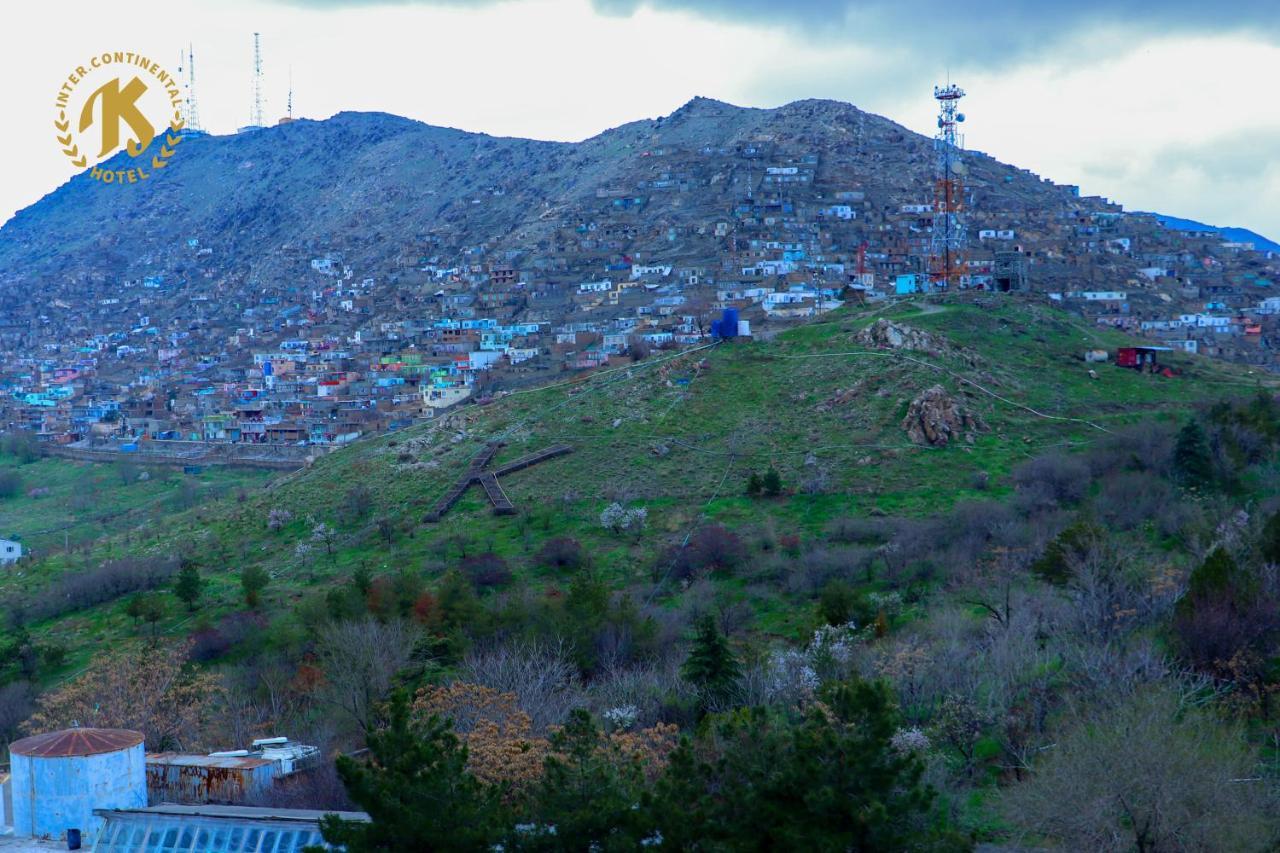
(188, 585)
(1191, 461)
(417, 792)
(755, 486)
(711, 666)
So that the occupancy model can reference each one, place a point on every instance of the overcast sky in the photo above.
(1160, 106)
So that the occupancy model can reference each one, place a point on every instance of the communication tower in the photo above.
(255, 109)
(187, 72)
(947, 245)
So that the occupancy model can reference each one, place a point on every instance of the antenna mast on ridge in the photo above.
(255, 111)
(187, 71)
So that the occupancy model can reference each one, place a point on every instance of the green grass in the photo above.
(645, 437)
(63, 503)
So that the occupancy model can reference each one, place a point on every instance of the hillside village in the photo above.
(139, 341)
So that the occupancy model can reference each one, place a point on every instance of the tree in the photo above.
(586, 799)
(188, 584)
(1192, 463)
(772, 482)
(755, 486)
(756, 780)
(1151, 774)
(151, 690)
(253, 580)
(146, 607)
(361, 659)
(417, 792)
(711, 665)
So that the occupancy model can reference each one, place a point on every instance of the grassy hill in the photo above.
(678, 435)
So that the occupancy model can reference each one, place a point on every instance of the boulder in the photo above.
(885, 334)
(935, 418)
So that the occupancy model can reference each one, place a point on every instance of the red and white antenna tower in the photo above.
(947, 246)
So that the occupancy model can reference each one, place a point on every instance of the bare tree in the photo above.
(543, 678)
(361, 659)
(1149, 775)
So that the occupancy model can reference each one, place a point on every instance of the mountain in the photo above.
(1236, 235)
(376, 188)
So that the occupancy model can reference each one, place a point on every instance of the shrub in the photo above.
(357, 502)
(1051, 480)
(253, 580)
(486, 570)
(712, 547)
(108, 581)
(10, 484)
(858, 531)
(837, 602)
(562, 553)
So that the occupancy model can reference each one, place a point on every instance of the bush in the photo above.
(1130, 499)
(562, 553)
(10, 484)
(837, 603)
(486, 570)
(712, 548)
(357, 502)
(858, 531)
(109, 581)
(1052, 480)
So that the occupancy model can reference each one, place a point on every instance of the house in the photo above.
(1145, 359)
(10, 551)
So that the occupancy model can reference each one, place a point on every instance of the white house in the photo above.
(10, 551)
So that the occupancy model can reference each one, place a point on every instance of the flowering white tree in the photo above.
(622, 519)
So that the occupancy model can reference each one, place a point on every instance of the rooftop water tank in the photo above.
(59, 778)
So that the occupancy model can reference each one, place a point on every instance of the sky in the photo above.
(1159, 106)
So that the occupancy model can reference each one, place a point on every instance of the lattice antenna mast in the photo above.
(255, 110)
(187, 71)
(290, 102)
(947, 246)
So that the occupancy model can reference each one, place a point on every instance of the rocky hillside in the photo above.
(377, 187)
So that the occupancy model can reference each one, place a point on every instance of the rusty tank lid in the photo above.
(74, 742)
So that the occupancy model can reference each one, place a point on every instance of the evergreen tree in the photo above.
(830, 781)
(417, 792)
(772, 482)
(755, 486)
(711, 666)
(188, 584)
(253, 580)
(1219, 579)
(587, 797)
(1192, 463)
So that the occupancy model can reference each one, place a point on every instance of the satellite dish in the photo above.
(960, 117)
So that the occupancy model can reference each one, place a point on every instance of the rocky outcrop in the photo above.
(935, 418)
(885, 334)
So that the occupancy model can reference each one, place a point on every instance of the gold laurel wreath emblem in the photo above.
(80, 161)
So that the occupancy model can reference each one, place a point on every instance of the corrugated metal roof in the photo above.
(73, 742)
(243, 762)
